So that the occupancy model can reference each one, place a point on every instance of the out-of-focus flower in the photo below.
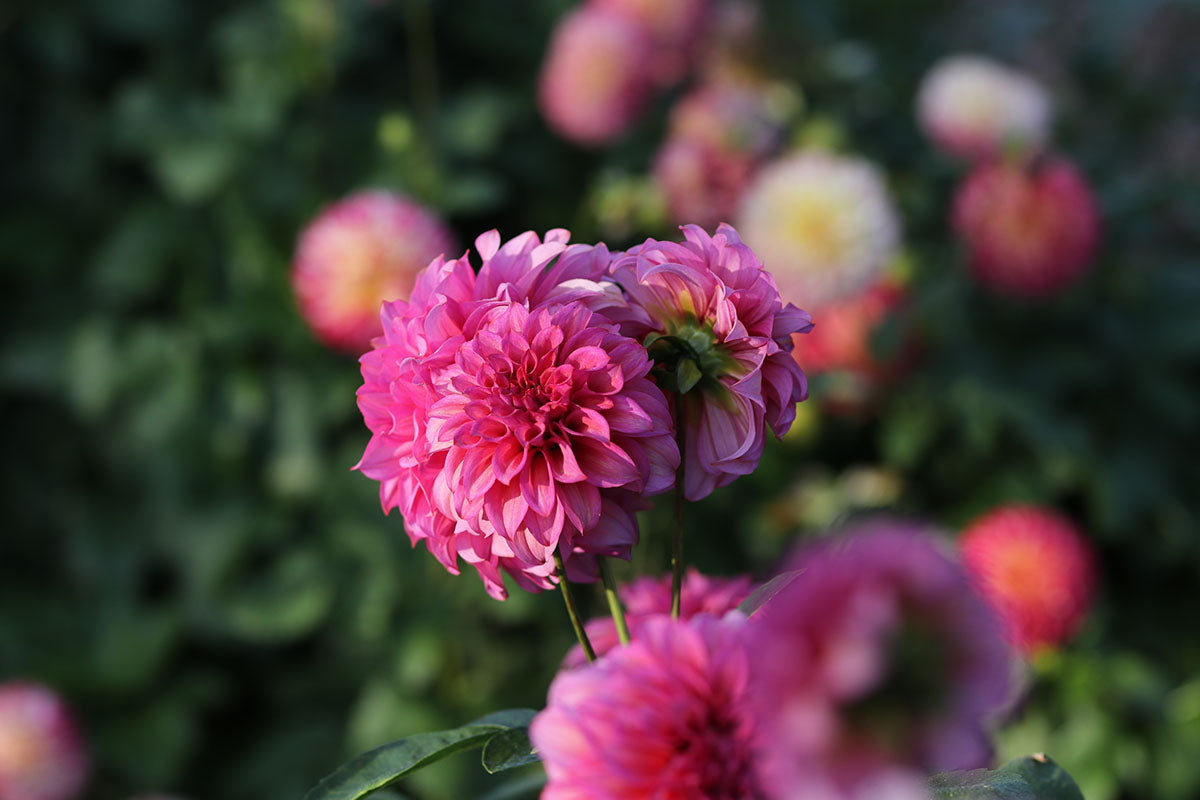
(508, 420)
(666, 717)
(875, 663)
(720, 134)
(357, 254)
(597, 77)
(1030, 230)
(647, 597)
(974, 108)
(674, 27)
(839, 346)
(711, 313)
(1036, 569)
(822, 224)
(42, 753)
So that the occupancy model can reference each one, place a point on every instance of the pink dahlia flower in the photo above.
(974, 107)
(1030, 230)
(649, 597)
(358, 253)
(876, 663)
(596, 78)
(42, 754)
(711, 299)
(508, 419)
(675, 29)
(720, 134)
(666, 717)
(1037, 570)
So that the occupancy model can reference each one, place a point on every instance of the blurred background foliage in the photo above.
(186, 555)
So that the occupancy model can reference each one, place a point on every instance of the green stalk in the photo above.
(573, 612)
(677, 538)
(614, 602)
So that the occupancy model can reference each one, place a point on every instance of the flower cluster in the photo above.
(514, 415)
(874, 663)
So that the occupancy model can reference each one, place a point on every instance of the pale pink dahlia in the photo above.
(720, 134)
(709, 310)
(974, 107)
(876, 663)
(675, 29)
(1030, 229)
(648, 597)
(666, 717)
(508, 419)
(596, 78)
(42, 754)
(1036, 568)
(358, 253)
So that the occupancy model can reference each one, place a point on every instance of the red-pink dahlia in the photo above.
(709, 310)
(42, 754)
(1037, 570)
(508, 419)
(1030, 229)
(596, 78)
(666, 717)
(876, 662)
(648, 597)
(358, 253)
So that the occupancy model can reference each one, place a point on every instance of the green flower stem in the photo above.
(614, 602)
(573, 612)
(677, 539)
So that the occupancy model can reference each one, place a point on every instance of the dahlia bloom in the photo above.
(720, 134)
(358, 253)
(1036, 569)
(823, 224)
(712, 300)
(666, 717)
(596, 78)
(973, 108)
(42, 753)
(674, 27)
(840, 345)
(648, 597)
(876, 663)
(1030, 230)
(508, 419)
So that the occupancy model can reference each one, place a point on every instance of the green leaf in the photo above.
(1034, 777)
(760, 596)
(379, 767)
(687, 374)
(508, 749)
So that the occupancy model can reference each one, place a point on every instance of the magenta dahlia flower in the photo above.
(1030, 229)
(357, 254)
(42, 754)
(508, 419)
(596, 78)
(718, 313)
(667, 717)
(877, 662)
(1036, 568)
(648, 597)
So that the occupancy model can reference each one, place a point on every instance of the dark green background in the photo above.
(185, 553)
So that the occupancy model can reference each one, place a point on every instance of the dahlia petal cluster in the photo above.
(666, 717)
(877, 662)
(1036, 569)
(42, 753)
(711, 297)
(649, 597)
(975, 108)
(608, 58)
(1030, 229)
(719, 136)
(823, 224)
(509, 419)
(356, 254)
